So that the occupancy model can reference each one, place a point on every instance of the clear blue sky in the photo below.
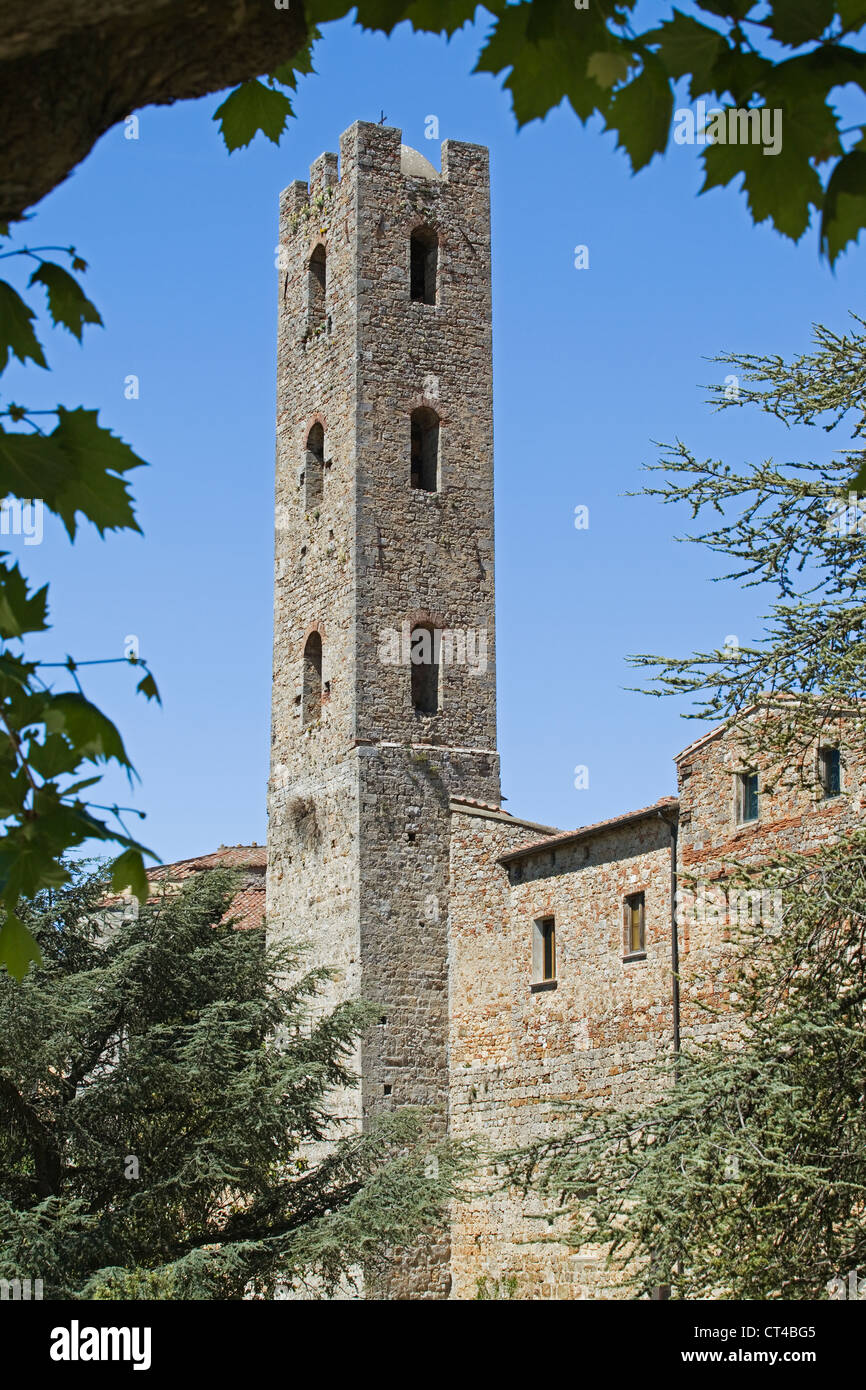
(590, 367)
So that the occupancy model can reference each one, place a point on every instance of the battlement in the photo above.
(380, 149)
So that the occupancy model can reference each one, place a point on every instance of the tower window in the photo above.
(635, 931)
(747, 797)
(425, 449)
(311, 702)
(424, 655)
(544, 950)
(314, 469)
(423, 265)
(830, 771)
(316, 277)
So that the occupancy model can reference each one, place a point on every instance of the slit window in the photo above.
(635, 930)
(316, 283)
(424, 654)
(314, 469)
(830, 771)
(423, 265)
(424, 440)
(311, 701)
(747, 797)
(544, 950)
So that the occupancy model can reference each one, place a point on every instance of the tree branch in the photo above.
(71, 69)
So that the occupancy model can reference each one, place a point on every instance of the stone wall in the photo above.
(520, 1055)
(794, 817)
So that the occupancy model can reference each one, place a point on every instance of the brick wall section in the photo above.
(516, 1056)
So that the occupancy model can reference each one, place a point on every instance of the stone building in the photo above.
(517, 967)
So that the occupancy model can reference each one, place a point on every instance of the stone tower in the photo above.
(384, 563)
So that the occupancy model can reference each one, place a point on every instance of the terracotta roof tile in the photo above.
(567, 836)
(248, 904)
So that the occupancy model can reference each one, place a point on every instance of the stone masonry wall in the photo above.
(517, 1056)
(795, 817)
(359, 824)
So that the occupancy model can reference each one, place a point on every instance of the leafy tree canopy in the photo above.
(790, 56)
(160, 1088)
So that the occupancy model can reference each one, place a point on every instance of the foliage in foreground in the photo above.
(159, 1081)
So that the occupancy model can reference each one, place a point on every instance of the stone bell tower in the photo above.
(384, 697)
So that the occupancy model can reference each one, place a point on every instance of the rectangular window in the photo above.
(544, 951)
(635, 938)
(830, 771)
(747, 796)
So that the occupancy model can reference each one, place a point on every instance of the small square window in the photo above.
(635, 934)
(747, 796)
(830, 771)
(544, 950)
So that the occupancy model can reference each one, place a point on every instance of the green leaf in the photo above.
(31, 465)
(687, 47)
(547, 68)
(250, 108)
(852, 14)
(95, 456)
(16, 333)
(90, 732)
(300, 63)
(18, 949)
(642, 111)
(325, 11)
(67, 302)
(784, 186)
(20, 611)
(53, 756)
(794, 22)
(441, 16)
(381, 14)
(844, 211)
(727, 9)
(128, 871)
(148, 687)
(608, 68)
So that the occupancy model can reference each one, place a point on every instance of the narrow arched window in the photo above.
(425, 449)
(424, 655)
(316, 278)
(311, 702)
(314, 469)
(423, 265)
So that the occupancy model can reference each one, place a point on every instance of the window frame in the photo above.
(425, 677)
(743, 778)
(426, 239)
(823, 750)
(317, 286)
(428, 425)
(312, 682)
(637, 898)
(544, 962)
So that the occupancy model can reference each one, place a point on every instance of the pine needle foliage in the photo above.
(162, 1079)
